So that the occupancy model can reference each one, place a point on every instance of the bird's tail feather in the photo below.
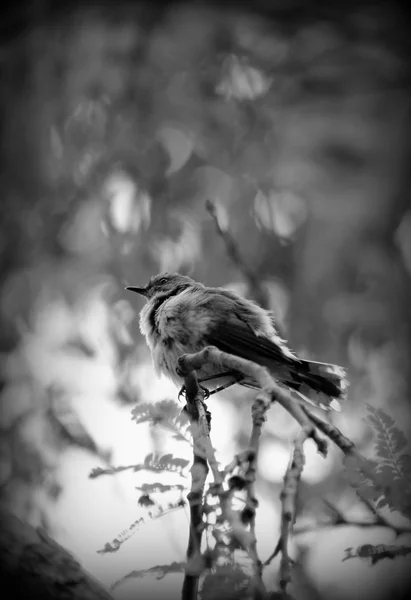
(322, 384)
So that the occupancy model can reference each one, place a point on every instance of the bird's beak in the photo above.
(139, 290)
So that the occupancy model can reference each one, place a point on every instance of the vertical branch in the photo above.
(259, 408)
(199, 472)
(252, 278)
(288, 507)
(288, 501)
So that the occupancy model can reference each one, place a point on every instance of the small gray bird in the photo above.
(183, 316)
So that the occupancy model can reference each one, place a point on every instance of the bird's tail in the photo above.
(322, 384)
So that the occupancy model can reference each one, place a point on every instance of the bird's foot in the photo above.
(183, 392)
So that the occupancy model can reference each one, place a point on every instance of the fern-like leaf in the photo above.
(157, 487)
(156, 413)
(390, 440)
(167, 462)
(155, 512)
(125, 535)
(376, 553)
(159, 571)
(99, 471)
(392, 468)
(365, 487)
(167, 414)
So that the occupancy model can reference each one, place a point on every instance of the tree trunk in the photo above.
(32, 565)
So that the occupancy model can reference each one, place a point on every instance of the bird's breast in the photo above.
(182, 329)
(168, 350)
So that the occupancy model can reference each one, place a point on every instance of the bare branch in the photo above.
(340, 520)
(252, 278)
(199, 472)
(258, 410)
(288, 509)
(345, 444)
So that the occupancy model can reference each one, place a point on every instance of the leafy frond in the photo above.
(167, 462)
(99, 471)
(158, 571)
(390, 440)
(167, 414)
(393, 467)
(376, 553)
(155, 412)
(125, 535)
(157, 487)
(154, 513)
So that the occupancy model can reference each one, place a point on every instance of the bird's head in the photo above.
(164, 283)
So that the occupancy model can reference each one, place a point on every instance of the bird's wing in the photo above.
(236, 337)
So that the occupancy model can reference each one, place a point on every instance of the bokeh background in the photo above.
(118, 121)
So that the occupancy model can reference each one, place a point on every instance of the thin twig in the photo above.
(288, 509)
(345, 445)
(258, 411)
(341, 520)
(252, 278)
(381, 520)
(200, 426)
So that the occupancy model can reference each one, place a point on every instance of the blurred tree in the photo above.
(118, 121)
(34, 565)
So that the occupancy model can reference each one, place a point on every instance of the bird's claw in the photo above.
(183, 392)
(206, 392)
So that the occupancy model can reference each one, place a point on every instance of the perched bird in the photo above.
(183, 316)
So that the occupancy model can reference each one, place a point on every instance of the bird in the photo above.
(183, 316)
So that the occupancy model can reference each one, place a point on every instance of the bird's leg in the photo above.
(237, 377)
(206, 391)
(222, 387)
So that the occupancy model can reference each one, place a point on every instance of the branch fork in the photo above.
(312, 427)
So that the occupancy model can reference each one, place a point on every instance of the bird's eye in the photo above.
(163, 280)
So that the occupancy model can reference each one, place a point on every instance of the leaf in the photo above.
(99, 471)
(125, 535)
(159, 571)
(156, 413)
(377, 553)
(390, 439)
(365, 487)
(166, 413)
(167, 462)
(394, 469)
(155, 513)
(399, 498)
(157, 487)
(145, 500)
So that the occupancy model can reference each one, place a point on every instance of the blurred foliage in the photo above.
(391, 465)
(117, 123)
